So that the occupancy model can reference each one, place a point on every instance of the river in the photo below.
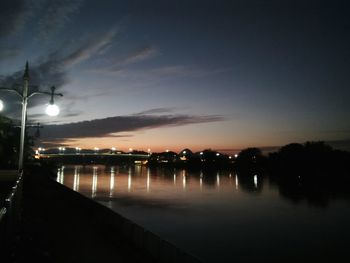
(220, 217)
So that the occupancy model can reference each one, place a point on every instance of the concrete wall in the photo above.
(113, 224)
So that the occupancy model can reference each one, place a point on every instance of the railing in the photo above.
(10, 215)
(3, 211)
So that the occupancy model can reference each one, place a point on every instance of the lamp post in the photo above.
(51, 110)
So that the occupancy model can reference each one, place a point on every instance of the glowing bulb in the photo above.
(1, 105)
(52, 110)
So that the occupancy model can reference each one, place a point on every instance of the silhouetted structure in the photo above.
(187, 159)
(250, 161)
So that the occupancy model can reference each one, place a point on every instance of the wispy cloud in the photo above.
(49, 16)
(53, 69)
(138, 55)
(151, 76)
(156, 111)
(186, 70)
(110, 126)
(117, 65)
(91, 48)
(14, 15)
(55, 15)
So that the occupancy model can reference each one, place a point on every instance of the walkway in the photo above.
(60, 227)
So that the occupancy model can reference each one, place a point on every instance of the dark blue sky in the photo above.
(219, 74)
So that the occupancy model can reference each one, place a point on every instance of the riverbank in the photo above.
(60, 225)
(7, 180)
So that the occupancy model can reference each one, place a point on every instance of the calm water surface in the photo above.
(219, 216)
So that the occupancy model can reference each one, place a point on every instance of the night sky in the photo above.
(173, 74)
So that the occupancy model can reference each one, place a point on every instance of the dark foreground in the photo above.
(59, 225)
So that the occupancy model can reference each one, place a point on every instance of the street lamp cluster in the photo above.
(95, 150)
(77, 149)
(61, 149)
(51, 110)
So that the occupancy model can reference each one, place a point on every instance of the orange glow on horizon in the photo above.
(116, 143)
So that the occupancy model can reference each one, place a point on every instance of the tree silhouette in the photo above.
(249, 160)
(9, 144)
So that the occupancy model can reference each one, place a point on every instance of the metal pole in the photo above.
(24, 115)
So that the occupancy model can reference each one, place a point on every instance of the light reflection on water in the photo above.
(94, 181)
(217, 216)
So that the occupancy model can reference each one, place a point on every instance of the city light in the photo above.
(255, 181)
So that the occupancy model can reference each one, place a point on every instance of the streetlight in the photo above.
(77, 150)
(51, 110)
(96, 149)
